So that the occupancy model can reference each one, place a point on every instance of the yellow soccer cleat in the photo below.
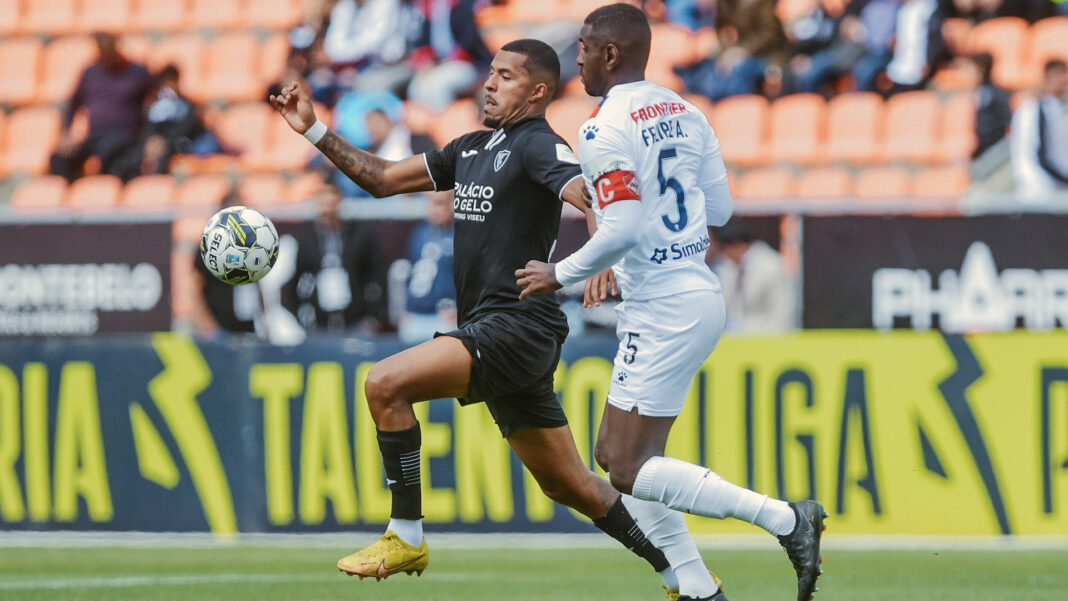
(387, 556)
(673, 593)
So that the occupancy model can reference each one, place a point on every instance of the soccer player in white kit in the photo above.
(657, 179)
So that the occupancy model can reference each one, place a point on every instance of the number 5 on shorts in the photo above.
(632, 348)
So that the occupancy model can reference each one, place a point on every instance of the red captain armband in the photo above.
(616, 185)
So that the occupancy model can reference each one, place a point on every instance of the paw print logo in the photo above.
(590, 132)
(621, 377)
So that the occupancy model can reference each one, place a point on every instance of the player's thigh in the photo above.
(435, 369)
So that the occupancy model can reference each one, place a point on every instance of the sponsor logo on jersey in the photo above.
(501, 159)
(659, 256)
(659, 109)
(564, 154)
(471, 201)
(680, 250)
(617, 185)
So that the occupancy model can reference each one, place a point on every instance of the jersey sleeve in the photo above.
(549, 161)
(713, 183)
(608, 164)
(441, 165)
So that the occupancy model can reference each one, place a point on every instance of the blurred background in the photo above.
(896, 272)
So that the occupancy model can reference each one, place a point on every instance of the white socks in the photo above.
(409, 531)
(698, 490)
(666, 529)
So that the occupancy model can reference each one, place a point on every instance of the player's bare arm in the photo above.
(376, 175)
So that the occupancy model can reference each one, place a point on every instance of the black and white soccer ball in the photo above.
(239, 245)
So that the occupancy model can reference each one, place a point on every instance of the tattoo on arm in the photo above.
(360, 166)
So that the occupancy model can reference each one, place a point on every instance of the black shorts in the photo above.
(513, 361)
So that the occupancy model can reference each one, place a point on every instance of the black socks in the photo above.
(619, 524)
(400, 456)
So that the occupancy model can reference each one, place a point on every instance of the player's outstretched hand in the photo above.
(598, 288)
(536, 278)
(294, 103)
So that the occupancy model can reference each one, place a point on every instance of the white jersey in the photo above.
(646, 143)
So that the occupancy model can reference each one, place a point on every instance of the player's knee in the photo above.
(600, 454)
(622, 476)
(383, 387)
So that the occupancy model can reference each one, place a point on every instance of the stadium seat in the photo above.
(825, 183)
(418, 117)
(942, 182)
(912, 127)
(185, 51)
(19, 59)
(259, 190)
(136, 47)
(957, 139)
(104, 15)
(672, 45)
(273, 14)
(48, 17)
(498, 35)
(44, 192)
(159, 15)
(883, 182)
(64, 60)
(790, 10)
(303, 187)
(1048, 39)
(740, 123)
(765, 183)
(243, 127)
(29, 139)
(271, 61)
(203, 190)
(94, 192)
(955, 32)
(10, 14)
(460, 117)
(854, 127)
(567, 114)
(702, 104)
(149, 192)
(285, 149)
(217, 14)
(230, 69)
(1003, 38)
(796, 132)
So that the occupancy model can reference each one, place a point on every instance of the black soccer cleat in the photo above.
(803, 546)
(719, 596)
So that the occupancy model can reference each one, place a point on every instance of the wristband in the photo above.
(316, 132)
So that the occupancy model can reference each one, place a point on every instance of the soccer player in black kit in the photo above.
(508, 186)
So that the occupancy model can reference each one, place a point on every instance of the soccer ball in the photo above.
(239, 245)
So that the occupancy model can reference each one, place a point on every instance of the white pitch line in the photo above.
(129, 581)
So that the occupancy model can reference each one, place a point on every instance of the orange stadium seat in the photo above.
(10, 14)
(64, 60)
(955, 32)
(496, 36)
(789, 10)
(766, 183)
(41, 192)
(217, 14)
(883, 182)
(1048, 40)
(149, 191)
(303, 187)
(672, 45)
(567, 114)
(418, 117)
(29, 138)
(797, 125)
(460, 117)
(942, 182)
(94, 192)
(203, 190)
(271, 61)
(230, 69)
(578, 9)
(854, 127)
(701, 103)
(104, 15)
(159, 15)
(826, 182)
(49, 17)
(740, 123)
(957, 140)
(185, 51)
(136, 47)
(243, 127)
(1004, 39)
(912, 127)
(19, 58)
(285, 148)
(273, 14)
(261, 190)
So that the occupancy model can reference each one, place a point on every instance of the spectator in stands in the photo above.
(174, 126)
(918, 46)
(431, 294)
(374, 39)
(339, 280)
(992, 112)
(760, 296)
(451, 56)
(1039, 138)
(113, 90)
(751, 52)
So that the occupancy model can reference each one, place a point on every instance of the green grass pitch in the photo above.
(238, 573)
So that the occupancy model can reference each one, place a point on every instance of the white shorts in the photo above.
(662, 344)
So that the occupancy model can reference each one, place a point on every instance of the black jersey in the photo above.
(507, 185)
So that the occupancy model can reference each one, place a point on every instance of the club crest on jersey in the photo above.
(501, 159)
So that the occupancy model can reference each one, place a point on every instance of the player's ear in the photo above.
(611, 56)
(540, 91)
